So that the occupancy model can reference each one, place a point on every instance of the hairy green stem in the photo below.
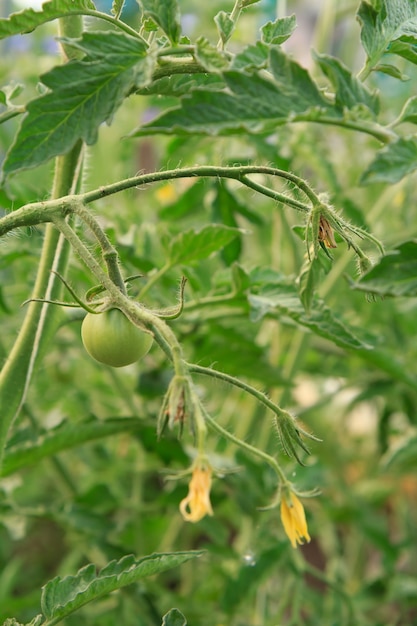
(112, 20)
(109, 253)
(236, 382)
(382, 133)
(37, 326)
(41, 212)
(275, 195)
(238, 173)
(267, 458)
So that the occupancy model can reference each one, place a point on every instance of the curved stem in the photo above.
(239, 173)
(279, 197)
(109, 253)
(41, 212)
(38, 324)
(236, 382)
(168, 51)
(153, 279)
(247, 446)
(114, 21)
(383, 134)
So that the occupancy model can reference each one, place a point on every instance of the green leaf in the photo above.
(225, 25)
(251, 57)
(283, 300)
(209, 56)
(391, 20)
(402, 455)
(391, 70)
(166, 14)
(174, 617)
(182, 84)
(308, 281)
(61, 438)
(295, 84)
(29, 19)
(62, 596)
(193, 245)
(349, 90)
(83, 94)
(253, 103)
(279, 31)
(393, 162)
(117, 7)
(404, 49)
(394, 275)
(409, 112)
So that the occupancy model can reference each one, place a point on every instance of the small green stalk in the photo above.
(45, 211)
(38, 324)
(248, 448)
(288, 430)
(109, 253)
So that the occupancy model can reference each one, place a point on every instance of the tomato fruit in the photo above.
(112, 339)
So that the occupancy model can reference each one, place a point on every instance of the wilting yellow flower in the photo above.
(293, 519)
(326, 234)
(197, 503)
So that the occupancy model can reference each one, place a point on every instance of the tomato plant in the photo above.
(267, 168)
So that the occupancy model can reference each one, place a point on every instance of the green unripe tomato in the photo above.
(112, 339)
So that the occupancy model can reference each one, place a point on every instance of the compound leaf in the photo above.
(193, 245)
(283, 300)
(61, 438)
(349, 90)
(166, 14)
(409, 112)
(83, 94)
(29, 19)
(384, 22)
(279, 31)
(393, 162)
(62, 596)
(395, 274)
(251, 103)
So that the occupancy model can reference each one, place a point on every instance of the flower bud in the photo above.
(293, 519)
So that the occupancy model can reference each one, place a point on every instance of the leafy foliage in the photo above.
(62, 437)
(81, 97)
(29, 19)
(393, 162)
(166, 14)
(62, 596)
(391, 21)
(395, 274)
(221, 149)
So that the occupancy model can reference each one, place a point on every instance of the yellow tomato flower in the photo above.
(294, 520)
(197, 503)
